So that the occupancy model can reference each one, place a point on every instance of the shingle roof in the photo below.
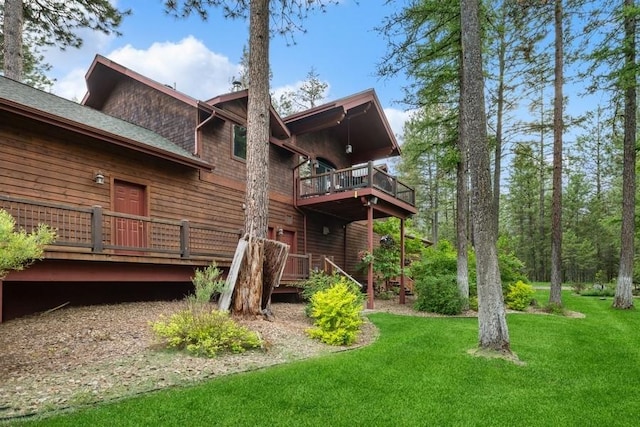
(53, 105)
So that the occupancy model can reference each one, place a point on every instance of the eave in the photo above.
(80, 128)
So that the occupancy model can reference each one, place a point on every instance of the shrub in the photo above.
(206, 283)
(317, 281)
(18, 248)
(473, 303)
(205, 333)
(336, 314)
(439, 294)
(519, 296)
(320, 281)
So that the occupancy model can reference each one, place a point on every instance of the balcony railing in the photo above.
(364, 176)
(98, 231)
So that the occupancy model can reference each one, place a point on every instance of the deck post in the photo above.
(96, 229)
(309, 267)
(370, 249)
(370, 174)
(184, 238)
(1, 292)
(402, 255)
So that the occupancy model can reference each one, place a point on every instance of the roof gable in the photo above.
(358, 120)
(28, 101)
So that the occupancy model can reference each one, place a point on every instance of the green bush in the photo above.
(473, 303)
(206, 283)
(519, 296)
(18, 248)
(336, 314)
(205, 333)
(320, 281)
(602, 290)
(439, 294)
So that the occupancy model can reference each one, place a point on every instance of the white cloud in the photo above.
(188, 65)
(397, 119)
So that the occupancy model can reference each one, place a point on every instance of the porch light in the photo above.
(348, 149)
(325, 230)
(280, 231)
(99, 178)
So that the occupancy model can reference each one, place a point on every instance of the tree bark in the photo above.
(492, 331)
(462, 212)
(249, 301)
(555, 293)
(247, 298)
(257, 197)
(624, 297)
(12, 28)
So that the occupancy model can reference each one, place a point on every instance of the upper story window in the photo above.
(239, 142)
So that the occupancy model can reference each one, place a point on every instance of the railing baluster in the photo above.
(184, 238)
(96, 229)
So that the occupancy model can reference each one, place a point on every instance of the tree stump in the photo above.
(256, 269)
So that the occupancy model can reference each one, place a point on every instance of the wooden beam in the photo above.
(370, 249)
(402, 255)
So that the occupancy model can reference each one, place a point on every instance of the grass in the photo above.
(578, 372)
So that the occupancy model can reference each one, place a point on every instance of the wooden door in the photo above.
(130, 199)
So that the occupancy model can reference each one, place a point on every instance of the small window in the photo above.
(239, 142)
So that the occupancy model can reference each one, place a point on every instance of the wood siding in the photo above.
(137, 103)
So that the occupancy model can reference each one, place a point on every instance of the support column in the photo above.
(370, 249)
(402, 254)
(1, 292)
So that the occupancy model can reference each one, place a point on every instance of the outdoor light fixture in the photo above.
(325, 230)
(372, 201)
(348, 149)
(280, 231)
(99, 178)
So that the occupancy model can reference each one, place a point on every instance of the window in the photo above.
(239, 141)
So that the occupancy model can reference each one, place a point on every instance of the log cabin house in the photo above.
(144, 184)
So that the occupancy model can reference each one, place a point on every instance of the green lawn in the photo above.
(578, 372)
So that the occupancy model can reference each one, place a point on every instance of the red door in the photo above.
(130, 199)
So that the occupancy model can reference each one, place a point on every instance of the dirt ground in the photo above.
(81, 355)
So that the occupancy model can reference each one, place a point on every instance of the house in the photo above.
(144, 184)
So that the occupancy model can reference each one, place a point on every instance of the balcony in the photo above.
(345, 193)
(96, 234)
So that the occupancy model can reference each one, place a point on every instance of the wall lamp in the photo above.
(280, 231)
(99, 178)
(348, 149)
(325, 230)
(372, 201)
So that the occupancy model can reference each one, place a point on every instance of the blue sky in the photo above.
(200, 58)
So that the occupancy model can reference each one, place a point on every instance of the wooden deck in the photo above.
(94, 234)
(345, 193)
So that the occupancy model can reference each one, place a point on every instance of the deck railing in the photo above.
(363, 176)
(98, 231)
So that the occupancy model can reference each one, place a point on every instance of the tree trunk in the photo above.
(257, 198)
(257, 168)
(247, 298)
(555, 294)
(462, 212)
(12, 28)
(624, 297)
(492, 331)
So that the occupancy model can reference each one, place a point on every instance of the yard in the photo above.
(577, 371)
